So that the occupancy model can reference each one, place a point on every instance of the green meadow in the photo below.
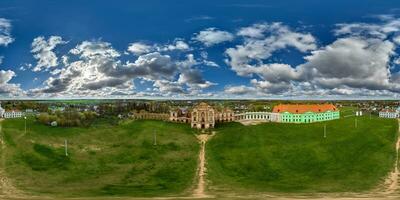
(103, 160)
(289, 158)
(109, 159)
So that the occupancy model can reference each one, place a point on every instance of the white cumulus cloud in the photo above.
(43, 52)
(5, 32)
(213, 36)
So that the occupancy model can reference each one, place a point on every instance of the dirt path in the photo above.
(392, 182)
(7, 188)
(199, 191)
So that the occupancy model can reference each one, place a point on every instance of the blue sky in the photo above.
(199, 49)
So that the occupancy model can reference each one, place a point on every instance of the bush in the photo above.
(68, 118)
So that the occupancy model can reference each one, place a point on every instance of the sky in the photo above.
(177, 49)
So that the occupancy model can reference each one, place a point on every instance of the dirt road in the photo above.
(392, 181)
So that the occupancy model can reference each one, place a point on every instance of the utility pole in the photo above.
(155, 137)
(66, 147)
(25, 124)
(324, 130)
(355, 122)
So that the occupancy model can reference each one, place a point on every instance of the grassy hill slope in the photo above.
(119, 160)
(297, 158)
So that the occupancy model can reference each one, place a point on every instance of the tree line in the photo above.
(67, 118)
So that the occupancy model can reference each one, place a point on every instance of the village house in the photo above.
(10, 113)
(389, 113)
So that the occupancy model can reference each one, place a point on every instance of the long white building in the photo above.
(13, 114)
(259, 116)
(387, 113)
(10, 113)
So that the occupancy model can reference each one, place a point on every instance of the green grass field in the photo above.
(121, 160)
(103, 160)
(297, 158)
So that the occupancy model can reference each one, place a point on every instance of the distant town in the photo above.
(59, 112)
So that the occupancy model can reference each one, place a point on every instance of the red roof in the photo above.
(13, 110)
(388, 111)
(303, 108)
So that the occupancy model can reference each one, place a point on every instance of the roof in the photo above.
(303, 108)
(13, 111)
(203, 105)
(388, 111)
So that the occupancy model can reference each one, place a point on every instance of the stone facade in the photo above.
(202, 116)
(225, 115)
(147, 115)
(180, 115)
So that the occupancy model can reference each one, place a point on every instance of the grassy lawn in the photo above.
(104, 160)
(348, 111)
(121, 160)
(297, 158)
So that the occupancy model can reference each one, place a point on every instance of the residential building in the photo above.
(13, 114)
(389, 113)
(306, 113)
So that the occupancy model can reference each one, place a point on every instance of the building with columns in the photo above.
(258, 116)
(180, 115)
(224, 115)
(202, 116)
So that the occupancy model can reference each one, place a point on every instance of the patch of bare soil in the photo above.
(392, 181)
(251, 122)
